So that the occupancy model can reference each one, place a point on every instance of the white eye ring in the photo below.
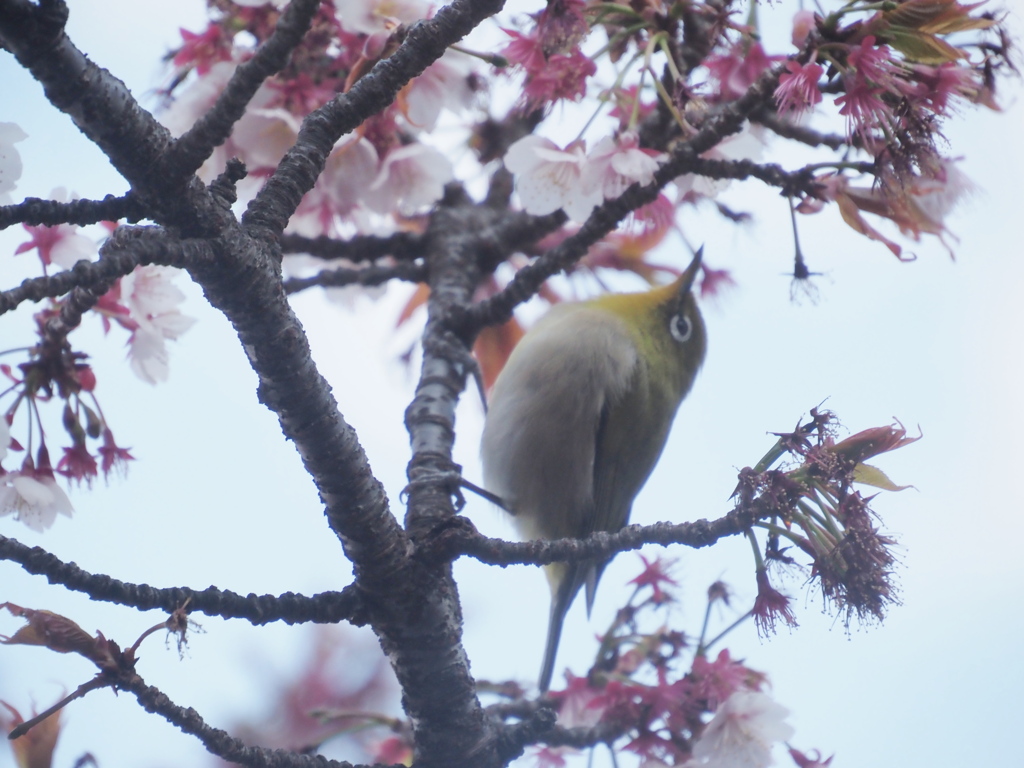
(681, 328)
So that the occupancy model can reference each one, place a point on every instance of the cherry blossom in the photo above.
(938, 194)
(582, 706)
(10, 160)
(112, 456)
(192, 103)
(338, 193)
(742, 732)
(61, 245)
(195, 100)
(563, 76)
(615, 164)
(445, 84)
(561, 26)
(264, 134)
(34, 498)
(372, 16)
(737, 70)
(410, 178)
(5, 438)
(203, 50)
(549, 178)
(803, 23)
(798, 87)
(153, 305)
(524, 51)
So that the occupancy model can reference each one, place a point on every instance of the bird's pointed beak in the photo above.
(689, 275)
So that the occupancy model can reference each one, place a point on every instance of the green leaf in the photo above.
(865, 474)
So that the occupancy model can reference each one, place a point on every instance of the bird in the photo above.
(578, 417)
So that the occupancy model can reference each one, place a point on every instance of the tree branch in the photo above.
(400, 245)
(808, 136)
(126, 249)
(216, 741)
(35, 211)
(291, 608)
(368, 276)
(461, 538)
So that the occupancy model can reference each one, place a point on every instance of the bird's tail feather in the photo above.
(576, 575)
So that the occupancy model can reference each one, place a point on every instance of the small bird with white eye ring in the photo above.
(579, 417)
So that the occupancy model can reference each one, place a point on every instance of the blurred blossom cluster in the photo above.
(663, 696)
(145, 303)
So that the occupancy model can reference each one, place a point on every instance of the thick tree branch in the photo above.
(324, 608)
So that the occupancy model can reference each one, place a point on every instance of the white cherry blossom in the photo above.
(152, 301)
(549, 178)
(34, 500)
(616, 164)
(10, 160)
(410, 178)
(742, 733)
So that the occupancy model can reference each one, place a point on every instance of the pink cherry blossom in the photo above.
(563, 76)
(864, 111)
(561, 26)
(524, 51)
(410, 178)
(615, 164)
(112, 456)
(935, 87)
(798, 87)
(192, 103)
(803, 23)
(10, 160)
(742, 733)
(549, 178)
(61, 245)
(78, 464)
(873, 64)
(582, 706)
(203, 49)
(737, 70)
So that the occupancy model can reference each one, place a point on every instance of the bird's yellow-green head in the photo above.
(667, 328)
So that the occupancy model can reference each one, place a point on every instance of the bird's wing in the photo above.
(630, 440)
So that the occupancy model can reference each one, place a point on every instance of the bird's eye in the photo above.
(681, 328)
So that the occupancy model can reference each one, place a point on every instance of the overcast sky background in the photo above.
(217, 497)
